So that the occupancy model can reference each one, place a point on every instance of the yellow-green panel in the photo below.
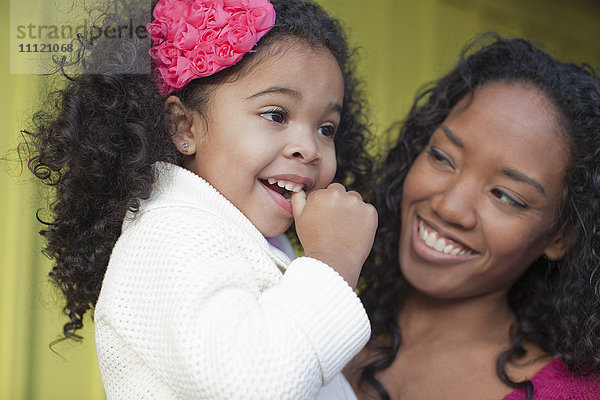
(403, 45)
(29, 317)
(407, 44)
(18, 242)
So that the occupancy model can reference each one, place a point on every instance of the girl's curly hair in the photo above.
(556, 303)
(98, 137)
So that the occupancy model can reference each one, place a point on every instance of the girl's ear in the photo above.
(557, 246)
(186, 129)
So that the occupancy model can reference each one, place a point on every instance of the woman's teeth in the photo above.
(431, 239)
(287, 185)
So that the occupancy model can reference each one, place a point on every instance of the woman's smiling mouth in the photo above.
(433, 240)
(431, 245)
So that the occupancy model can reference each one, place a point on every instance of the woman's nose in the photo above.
(455, 204)
(302, 145)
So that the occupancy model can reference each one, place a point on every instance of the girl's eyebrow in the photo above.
(277, 90)
(293, 93)
(509, 172)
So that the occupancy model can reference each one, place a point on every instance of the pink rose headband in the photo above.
(196, 38)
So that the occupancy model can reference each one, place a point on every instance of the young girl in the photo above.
(484, 281)
(176, 183)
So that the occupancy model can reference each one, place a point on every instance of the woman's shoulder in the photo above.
(556, 382)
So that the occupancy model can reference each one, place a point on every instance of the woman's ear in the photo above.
(558, 246)
(185, 126)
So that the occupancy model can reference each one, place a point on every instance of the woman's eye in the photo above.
(505, 198)
(438, 156)
(327, 130)
(278, 116)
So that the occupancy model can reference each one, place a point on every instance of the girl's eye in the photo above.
(507, 199)
(276, 115)
(327, 130)
(439, 157)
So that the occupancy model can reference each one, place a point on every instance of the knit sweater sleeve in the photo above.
(185, 302)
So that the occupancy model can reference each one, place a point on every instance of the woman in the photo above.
(484, 282)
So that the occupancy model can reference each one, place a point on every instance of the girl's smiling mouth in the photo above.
(281, 189)
(282, 186)
(431, 245)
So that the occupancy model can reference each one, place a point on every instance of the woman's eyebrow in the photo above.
(521, 177)
(510, 172)
(451, 136)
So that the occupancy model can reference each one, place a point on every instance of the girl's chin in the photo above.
(272, 231)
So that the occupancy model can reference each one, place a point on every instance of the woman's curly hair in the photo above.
(556, 303)
(97, 139)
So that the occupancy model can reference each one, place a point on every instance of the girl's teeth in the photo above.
(289, 186)
(455, 252)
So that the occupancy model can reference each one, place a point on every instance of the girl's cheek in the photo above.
(330, 167)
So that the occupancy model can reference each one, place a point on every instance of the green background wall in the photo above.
(403, 45)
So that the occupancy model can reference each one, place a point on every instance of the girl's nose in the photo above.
(455, 204)
(303, 146)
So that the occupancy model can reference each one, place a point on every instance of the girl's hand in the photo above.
(336, 227)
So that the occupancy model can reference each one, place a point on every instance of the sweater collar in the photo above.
(184, 186)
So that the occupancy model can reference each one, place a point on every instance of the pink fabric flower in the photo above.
(260, 18)
(241, 37)
(197, 38)
(165, 54)
(238, 3)
(224, 53)
(217, 16)
(186, 37)
(196, 14)
(202, 64)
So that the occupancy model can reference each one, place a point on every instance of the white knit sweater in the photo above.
(195, 304)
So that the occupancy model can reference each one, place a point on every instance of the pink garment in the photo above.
(555, 382)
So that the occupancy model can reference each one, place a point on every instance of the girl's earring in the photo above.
(185, 146)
